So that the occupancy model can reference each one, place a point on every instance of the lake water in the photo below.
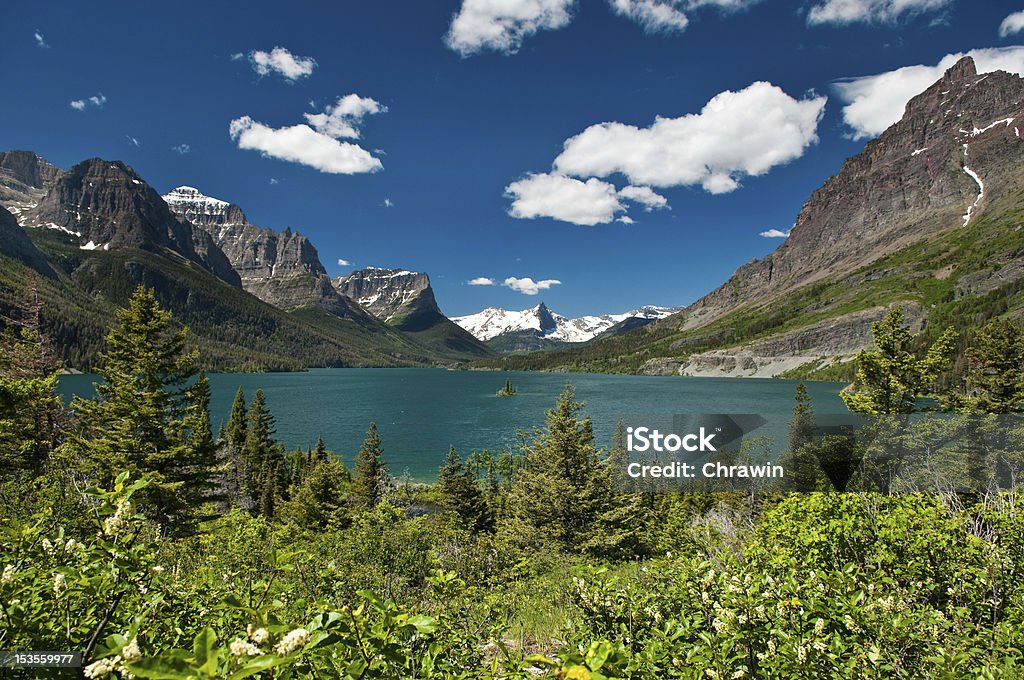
(419, 412)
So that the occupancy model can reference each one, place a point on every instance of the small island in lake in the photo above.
(509, 390)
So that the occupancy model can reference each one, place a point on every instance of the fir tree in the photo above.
(801, 460)
(995, 380)
(260, 456)
(236, 423)
(136, 422)
(370, 478)
(891, 376)
(200, 470)
(562, 487)
(462, 495)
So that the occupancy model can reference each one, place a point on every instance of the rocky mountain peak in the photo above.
(957, 148)
(202, 210)
(389, 294)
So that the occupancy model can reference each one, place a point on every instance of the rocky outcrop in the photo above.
(956, 148)
(24, 180)
(824, 342)
(401, 298)
(16, 244)
(281, 268)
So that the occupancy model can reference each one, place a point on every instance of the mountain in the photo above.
(88, 236)
(540, 328)
(405, 301)
(927, 216)
(281, 268)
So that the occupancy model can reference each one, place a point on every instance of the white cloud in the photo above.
(302, 144)
(625, 219)
(132, 140)
(873, 103)
(281, 61)
(1012, 24)
(842, 12)
(181, 149)
(564, 198)
(343, 119)
(528, 286)
(481, 281)
(274, 181)
(736, 134)
(388, 203)
(97, 100)
(40, 39)
(502, 25)
(775, 233)
(645, 196)
(654, 16)
(344, 263)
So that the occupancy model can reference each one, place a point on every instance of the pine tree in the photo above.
(800, 460)
(891, 376)
(562, 487)
(31, 413)
(200, 470)
(623, 519)
(995, 380)
(318, 502)
(320, 453)
(260, 456)
(462, 496)
(136, 422)
(370, 478)
(236, 423)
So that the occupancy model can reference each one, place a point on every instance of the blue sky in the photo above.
(475, 156)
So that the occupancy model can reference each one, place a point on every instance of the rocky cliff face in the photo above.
(281, 268)
(106, 205)
(399, 297)
(15, 243)
(24, 180)
(956, 149)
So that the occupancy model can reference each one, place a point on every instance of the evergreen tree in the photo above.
(891, 376)
(320, 453)
(370, 478)
(562, 487)
(318, 501)
(31, 413)
(462, 495)
(801, 460)
(200, 471)
(995, 379)
(260, 456)
(623, 519)
(136, 422)
(236, 423)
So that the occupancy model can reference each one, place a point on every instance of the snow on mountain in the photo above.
(190, 203)
(492, 322)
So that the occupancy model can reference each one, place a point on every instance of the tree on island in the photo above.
(370, 479)
(509, 390)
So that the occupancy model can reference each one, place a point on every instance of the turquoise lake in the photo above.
(419, 412)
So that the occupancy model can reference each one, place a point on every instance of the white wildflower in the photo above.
(801, 654)
(71, 545)
(47, 546)
(156, 569)
(740, 673)
(819, 626)
(119, 520)
(242, 647)
(8, 574)
(131, 651)
(60, 585)
(292, 641)
(258, 635)
(711, 673)
(98, 669)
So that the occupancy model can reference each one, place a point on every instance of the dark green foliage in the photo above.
(261, 457)
(562, 494)
(892, 376)
(462, 496)
(800, 460)
(141, 418)
(995, 381)
(370, 480)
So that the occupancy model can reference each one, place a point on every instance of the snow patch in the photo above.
(981, 193)
(917, 151)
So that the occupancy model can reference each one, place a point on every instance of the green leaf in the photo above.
(258, 664)
(204, 647)
(423, 624)
(161, 668)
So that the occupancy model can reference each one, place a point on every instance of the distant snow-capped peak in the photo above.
(190, 201)
(493, 322)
